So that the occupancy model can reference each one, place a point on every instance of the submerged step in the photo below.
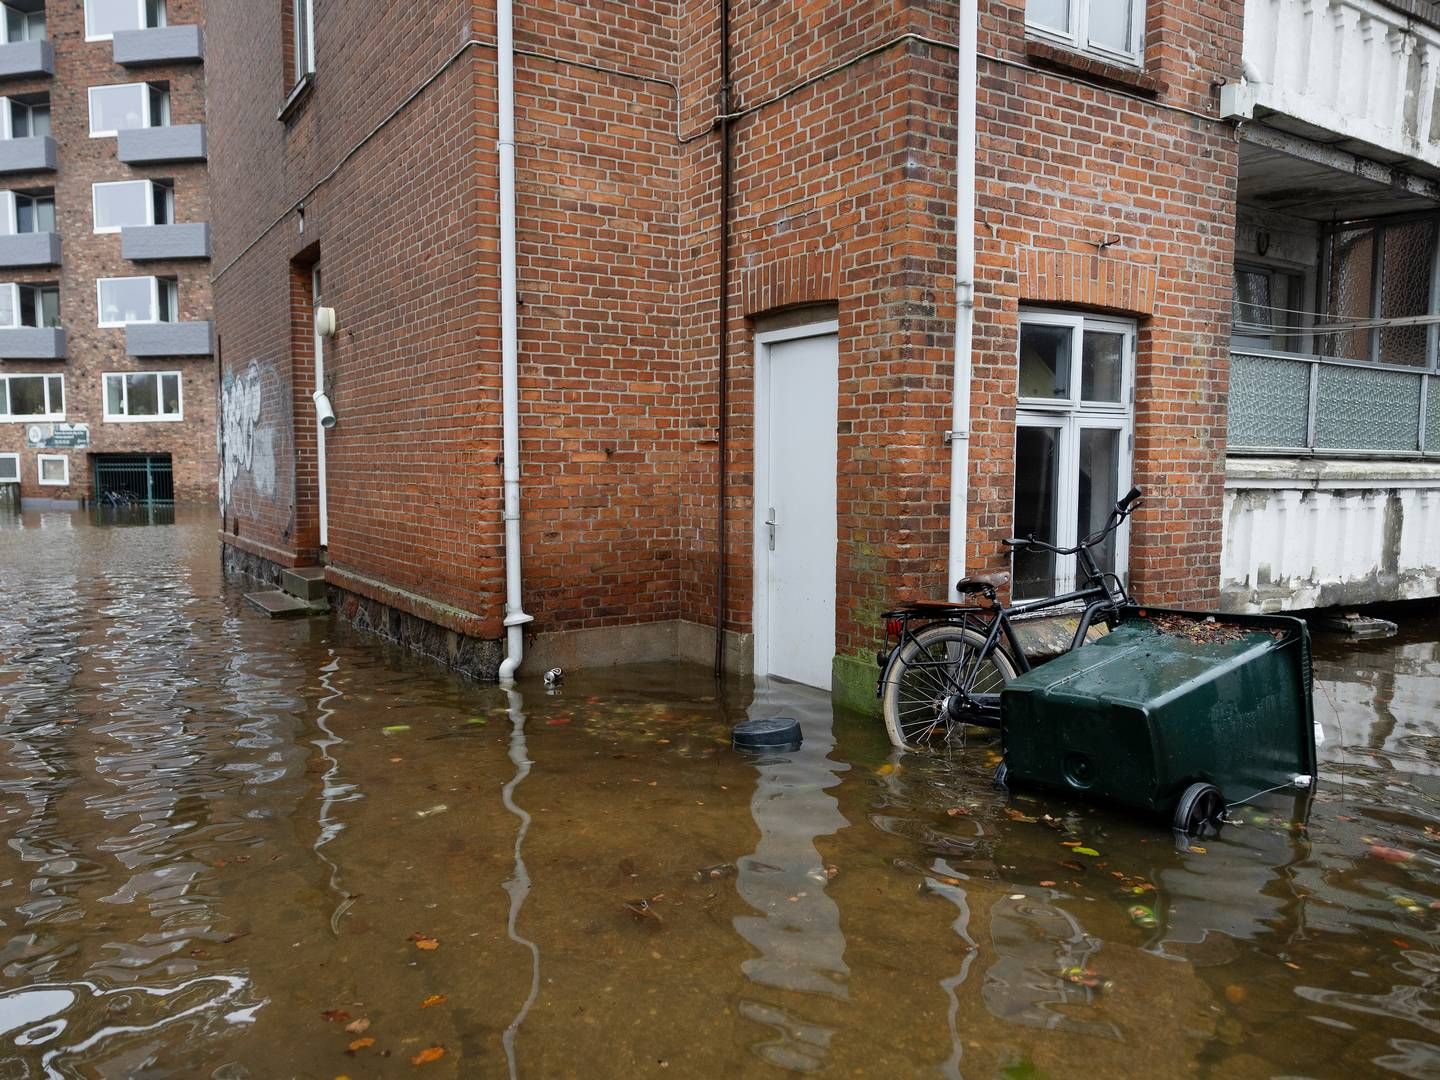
(306, 582)
(281, 605)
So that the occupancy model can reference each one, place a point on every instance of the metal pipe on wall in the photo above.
(723, 336)
(515, 617)
(969, 36)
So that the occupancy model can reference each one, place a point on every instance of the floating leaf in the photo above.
(336, 1016)
(558, 721)
(1087, 851)
(429, 1054)
(424, 941)
(885, 770)
(395, 729)
(1016, 815)
(1143, 917)
(1235, 994)
(1405, 902)
(1046, 884)
(360, 1044)
(1196, 849)
(1071, 864)
(1391, 854)
(433, 999)
(359, 1027)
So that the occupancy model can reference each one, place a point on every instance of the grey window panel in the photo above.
(35, 154)
(32, 343)
(30, 249)
(26, 59)
(152, 145)
(141, 242)
(169, 339)
(165, 45)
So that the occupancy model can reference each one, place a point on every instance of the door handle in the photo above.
(770, 524)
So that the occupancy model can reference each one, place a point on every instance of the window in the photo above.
(1266, 309)
(303, 29)
(21, 25)
(104, 17)
(9, 468)
(1112, 29)
(127, 105)
(25, 117)
(137, 300)
(142, 396)
(132, 202)
(1074, 426)
(29, 305)
(27, 212)
(1380, 270)
(54, 470)
(32, 397)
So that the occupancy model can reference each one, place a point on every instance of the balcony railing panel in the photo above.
(1308, 404)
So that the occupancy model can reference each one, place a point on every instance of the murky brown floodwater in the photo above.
(226, 838)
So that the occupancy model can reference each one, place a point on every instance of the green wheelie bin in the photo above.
(1173, 714)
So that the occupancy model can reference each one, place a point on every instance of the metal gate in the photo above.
(133, 479)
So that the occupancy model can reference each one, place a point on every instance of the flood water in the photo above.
(237, 848)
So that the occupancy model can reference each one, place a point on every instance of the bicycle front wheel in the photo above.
(931, 669)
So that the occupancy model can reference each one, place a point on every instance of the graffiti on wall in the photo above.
(247, 445)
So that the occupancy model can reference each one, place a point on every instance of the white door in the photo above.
(797, 402)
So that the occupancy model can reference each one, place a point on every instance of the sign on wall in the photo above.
(57, 436)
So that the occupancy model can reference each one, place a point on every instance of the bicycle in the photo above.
(950, 670)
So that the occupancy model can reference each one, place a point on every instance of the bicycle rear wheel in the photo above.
(927, 673)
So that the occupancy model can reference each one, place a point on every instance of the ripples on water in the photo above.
(218, 830)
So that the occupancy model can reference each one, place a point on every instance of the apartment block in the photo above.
(734, 399)
(106, 336)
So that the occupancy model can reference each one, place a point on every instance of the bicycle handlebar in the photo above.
(1122, 510)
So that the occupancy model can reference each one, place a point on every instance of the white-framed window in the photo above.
(1111, 29)
(32, 397)
(124, 106)
(132, 202)
(54, 470)
(1074, 436)
(27, 212)
(303, 29)
(29, 305)
(121, 301)
(24, 118)
(104, 17)
(142, 396)
(23, 25)
(9, 468)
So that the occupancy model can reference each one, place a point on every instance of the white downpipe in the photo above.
(515, 617)
(965, 292)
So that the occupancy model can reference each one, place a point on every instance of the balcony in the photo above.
(29, 249)
(26, 59)
(35, 154)
(140, 243)
(169, 339)
(1285, 403)
(32, 343)
(160, 145)
(1295, 52)
(166, 45)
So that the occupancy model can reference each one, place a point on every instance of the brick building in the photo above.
(355, 168)
(106, 376)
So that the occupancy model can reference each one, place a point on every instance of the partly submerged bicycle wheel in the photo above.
(927, 674)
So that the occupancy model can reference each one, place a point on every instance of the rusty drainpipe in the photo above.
(723, 335)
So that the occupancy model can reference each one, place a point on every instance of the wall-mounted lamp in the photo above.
(324, 410)
(325, 322)
(1262, 242)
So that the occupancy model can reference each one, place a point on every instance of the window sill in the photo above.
(297, 97)
(1044, 54)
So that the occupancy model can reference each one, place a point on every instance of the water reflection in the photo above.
(797, 931)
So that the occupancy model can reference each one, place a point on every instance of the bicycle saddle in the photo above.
(986, 583)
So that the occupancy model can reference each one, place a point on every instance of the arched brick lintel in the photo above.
(1092, 281)
(811, 277)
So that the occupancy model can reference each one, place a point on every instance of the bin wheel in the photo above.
(1199, 806)
(1002, 775)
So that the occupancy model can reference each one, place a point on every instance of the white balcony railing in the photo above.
(1358, 68)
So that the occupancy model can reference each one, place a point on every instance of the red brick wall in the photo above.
(85, 256)
(843, 195)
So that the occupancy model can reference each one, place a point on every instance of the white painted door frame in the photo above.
(320, 388)
(759, 537)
